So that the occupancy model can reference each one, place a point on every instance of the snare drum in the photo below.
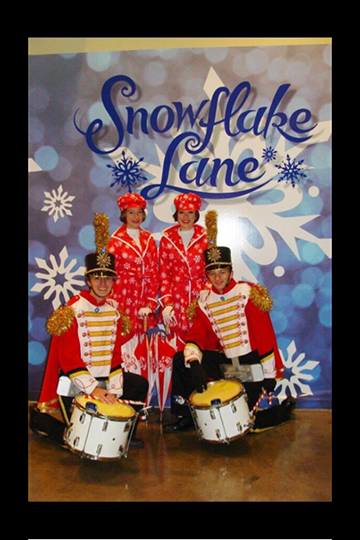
(99, 431)
(221, 413)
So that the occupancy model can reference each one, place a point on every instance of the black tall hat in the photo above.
(101, 263)
(215, 255)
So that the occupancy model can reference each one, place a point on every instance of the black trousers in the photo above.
(182, 386)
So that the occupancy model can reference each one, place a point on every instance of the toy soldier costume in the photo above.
(230, 328)
(85, 351)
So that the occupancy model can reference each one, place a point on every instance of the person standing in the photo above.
(182, 265)
(136, 264)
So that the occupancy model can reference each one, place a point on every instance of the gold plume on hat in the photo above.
(101, 225)
(211, 226)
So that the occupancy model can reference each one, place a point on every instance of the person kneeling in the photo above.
(231, 326)
(78, 350)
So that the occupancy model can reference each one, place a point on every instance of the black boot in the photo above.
(286, 408)
(45, 425)
(183, 424)
(273, 416)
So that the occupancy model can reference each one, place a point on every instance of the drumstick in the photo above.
(258, 402)
(167, 329)
(118, 400)
(145, 323)
(130, 402)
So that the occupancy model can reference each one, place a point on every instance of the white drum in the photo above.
(221, 413)
(100, 431)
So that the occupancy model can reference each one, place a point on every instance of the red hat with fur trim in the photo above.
(187, 201)
(131, 200)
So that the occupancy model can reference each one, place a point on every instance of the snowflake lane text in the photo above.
(235, 119)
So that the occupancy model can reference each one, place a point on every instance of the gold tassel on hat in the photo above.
(212, 230)
(101, 225)
(211, 226)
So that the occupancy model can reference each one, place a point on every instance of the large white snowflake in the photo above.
(295, 384)
(60, 279)
(58, 203)
(269, 220)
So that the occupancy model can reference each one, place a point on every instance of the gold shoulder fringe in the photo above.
(60, 321)
(190, 311)
(126, 324)
(260, 296)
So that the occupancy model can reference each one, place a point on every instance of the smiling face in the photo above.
(186, 219)
(100, 286)
(134, 217)
(220, 277)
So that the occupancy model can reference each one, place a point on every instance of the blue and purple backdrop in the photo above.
(247, 128)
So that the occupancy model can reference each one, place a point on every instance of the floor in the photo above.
(290, 463)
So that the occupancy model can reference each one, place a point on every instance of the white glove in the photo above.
(144, 312)
(168, 314)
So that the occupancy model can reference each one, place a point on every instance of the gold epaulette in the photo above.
(190, 310)
(260, 296)
(126, 323)
(60, 321)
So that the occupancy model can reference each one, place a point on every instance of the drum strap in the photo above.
(236, 364)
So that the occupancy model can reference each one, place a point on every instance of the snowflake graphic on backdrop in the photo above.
(127, 172)
(58, 203)
(296, 374)
(291, 170)
(269, 154)
(60, 279)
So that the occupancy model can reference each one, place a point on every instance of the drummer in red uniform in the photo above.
(85, 351)
(231, 326)
(182, 265)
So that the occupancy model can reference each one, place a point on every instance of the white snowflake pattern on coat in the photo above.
(182, 272)
(137, 281)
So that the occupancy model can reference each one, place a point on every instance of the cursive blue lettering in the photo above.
(96, 125)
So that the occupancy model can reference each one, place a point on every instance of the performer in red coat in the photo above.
(136, 262)
(85, 350)
(182, 264)
(231, 325)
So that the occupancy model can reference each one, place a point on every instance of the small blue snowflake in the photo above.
(269, 153)
(127, 172)
(291, 171)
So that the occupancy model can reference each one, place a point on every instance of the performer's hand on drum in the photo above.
(198, 376)
(103, 395)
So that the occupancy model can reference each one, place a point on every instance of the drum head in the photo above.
(224, 390)
(116, 410)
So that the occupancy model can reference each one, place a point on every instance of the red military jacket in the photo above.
(137, 280)
(235, 322)
(182, 272)
(86, 343)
